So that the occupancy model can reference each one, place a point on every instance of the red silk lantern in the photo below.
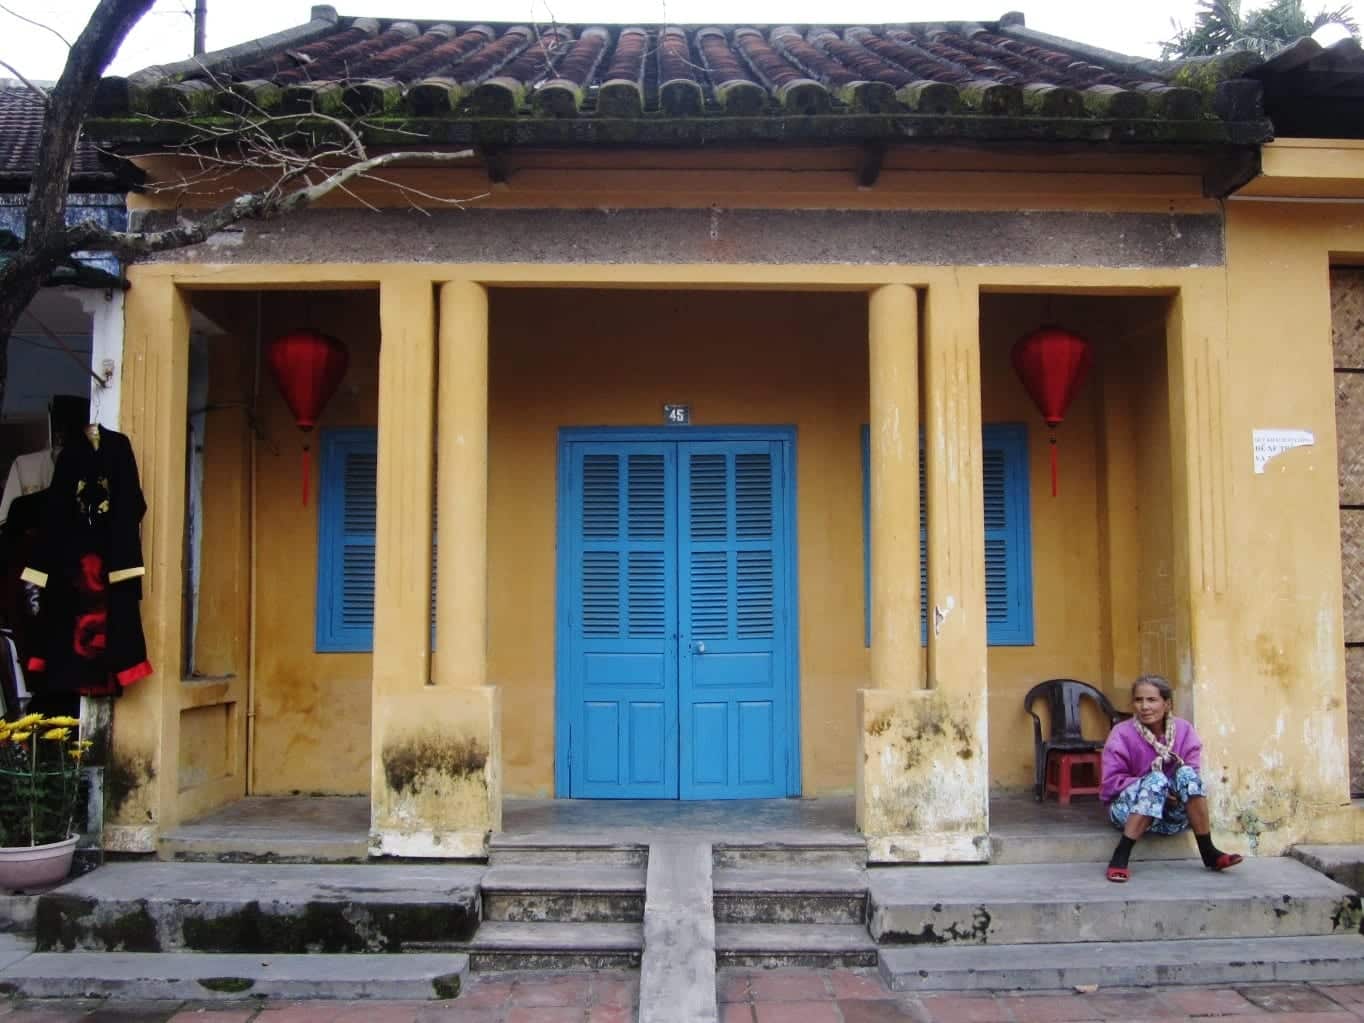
(1052, 364)
(307, 366)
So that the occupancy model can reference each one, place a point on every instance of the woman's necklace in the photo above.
(1165, 749)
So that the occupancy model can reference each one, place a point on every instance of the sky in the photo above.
(166, 35)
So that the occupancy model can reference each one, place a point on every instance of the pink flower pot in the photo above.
(23, 868)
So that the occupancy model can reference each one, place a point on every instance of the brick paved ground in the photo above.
(858, 996)
(757, 996)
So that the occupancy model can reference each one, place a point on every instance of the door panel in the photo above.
(676, 646)
(623, 650)
(732, 645)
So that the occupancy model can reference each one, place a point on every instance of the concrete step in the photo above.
(1168, 900)
(504, 850)
(17, 913)
(1094, 846)
(849, 851)
(193, 848)
(1342, 863)
(14, 947)
(556, 946)
(776, 945)
(204, 977)
(581, 893)
(783, 894)
(218, 907)
(1044, 967)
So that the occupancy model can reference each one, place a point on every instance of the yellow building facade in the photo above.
(764, 290)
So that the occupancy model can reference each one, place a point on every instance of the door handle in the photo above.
(698, 648)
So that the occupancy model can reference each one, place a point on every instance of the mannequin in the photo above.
(66, 414)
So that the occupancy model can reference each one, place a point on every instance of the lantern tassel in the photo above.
(1052, 438)
(306, 460)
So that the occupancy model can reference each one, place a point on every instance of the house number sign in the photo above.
(677, 415)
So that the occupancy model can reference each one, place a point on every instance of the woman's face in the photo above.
(1149, 706)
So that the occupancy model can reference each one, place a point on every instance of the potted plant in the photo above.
(40, 789)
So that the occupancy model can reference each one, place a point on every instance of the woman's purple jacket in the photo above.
(1127, 756)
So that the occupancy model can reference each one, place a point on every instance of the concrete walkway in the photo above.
(770, 996)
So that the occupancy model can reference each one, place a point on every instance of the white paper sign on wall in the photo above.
(1269, 443)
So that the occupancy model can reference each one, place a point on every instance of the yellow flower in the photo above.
(57, 733)
(20, 736)
(63, 721)
(27, 722)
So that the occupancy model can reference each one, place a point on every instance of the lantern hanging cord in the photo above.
(1051, 440)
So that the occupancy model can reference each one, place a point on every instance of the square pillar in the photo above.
(924, 749)
(155, 378)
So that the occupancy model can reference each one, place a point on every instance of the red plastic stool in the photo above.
(1061, 774)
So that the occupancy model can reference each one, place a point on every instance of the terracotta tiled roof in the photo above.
(607, 78)
(21, 129)
(1314, 91)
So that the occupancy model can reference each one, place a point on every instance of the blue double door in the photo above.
(675, 667)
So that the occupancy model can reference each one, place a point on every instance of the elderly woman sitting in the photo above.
(1151, 781)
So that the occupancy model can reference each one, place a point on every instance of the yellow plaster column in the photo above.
(407, 752)
(928, 746)
(142, 779)
(461, 658)
(896, 657)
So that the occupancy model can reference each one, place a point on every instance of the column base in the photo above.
(922, 784)
(928, 847)
(437, 781)
(130, 838)
(430, 845)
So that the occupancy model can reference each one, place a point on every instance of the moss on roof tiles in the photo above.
(655, 84)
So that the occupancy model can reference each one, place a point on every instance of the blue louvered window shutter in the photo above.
(347, 503)
(347, 506)
(1008, 536)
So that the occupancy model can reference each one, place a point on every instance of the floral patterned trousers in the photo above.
(1148, 796)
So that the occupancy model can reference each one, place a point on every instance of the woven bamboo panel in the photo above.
(1347, 316)
(1352, 569)
(1350, 436)
(1354, 701)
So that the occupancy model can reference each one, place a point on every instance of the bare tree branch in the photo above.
(31, 87)
(37, 24)
(253, 206)
(254, 165)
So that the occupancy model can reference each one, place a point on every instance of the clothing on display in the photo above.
(88, 563)
(67, 414)
(20, 600)
(14, 694)
(28, 475)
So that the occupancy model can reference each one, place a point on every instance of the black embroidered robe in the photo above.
(89, 563)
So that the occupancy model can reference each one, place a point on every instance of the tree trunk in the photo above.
(42, 248)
